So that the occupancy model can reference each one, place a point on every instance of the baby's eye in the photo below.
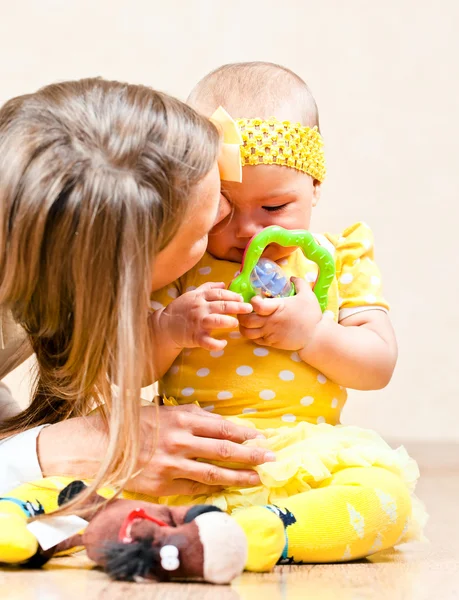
(274, 208)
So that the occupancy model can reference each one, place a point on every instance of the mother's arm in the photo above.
(76, 448)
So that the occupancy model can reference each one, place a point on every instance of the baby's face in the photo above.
(268, 195)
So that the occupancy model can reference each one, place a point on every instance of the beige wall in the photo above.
(385, 76)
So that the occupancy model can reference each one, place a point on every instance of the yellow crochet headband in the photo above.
(270, 142)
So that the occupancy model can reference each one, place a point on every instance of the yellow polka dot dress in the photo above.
(295, 405)
(272, 387)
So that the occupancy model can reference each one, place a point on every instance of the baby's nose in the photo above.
(247, 228)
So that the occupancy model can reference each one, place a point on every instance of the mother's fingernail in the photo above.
(254, 479)
(260, 436)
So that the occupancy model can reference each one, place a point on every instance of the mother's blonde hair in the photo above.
(95, 178)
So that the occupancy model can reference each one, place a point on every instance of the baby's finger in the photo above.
(262, 342)
(224, 307)
(209, 343)
(301, 287)
(265, 306)
(252, 321)
(251, 334)
(217, 321)
(210, 285)
(222, 294)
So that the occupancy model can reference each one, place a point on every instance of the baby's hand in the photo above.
(284, 323)
(190, 319)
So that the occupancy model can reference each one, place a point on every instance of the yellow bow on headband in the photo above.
(229, 162)
(268, 142)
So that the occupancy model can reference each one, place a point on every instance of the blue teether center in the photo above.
(269, 278)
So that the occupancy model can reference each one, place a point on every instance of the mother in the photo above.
(107, 192)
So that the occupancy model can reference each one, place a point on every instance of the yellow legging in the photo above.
(357, 512)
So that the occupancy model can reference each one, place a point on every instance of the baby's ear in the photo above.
(316, 192)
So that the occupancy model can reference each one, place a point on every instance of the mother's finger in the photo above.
(212, 475)
(220, 429)
(152, 487)
(186, 487)
(223, 450)
(191, 408)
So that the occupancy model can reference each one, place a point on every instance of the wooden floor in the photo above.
(418, 571)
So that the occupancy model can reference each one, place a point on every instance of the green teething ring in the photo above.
(284, 237)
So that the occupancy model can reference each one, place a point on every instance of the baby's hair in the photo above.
(256, 89)
(95, 180)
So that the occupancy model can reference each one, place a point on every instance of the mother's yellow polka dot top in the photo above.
(273, 387)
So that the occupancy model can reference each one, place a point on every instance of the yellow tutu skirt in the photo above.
(307, 457)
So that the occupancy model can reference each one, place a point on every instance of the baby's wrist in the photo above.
(162, 330)
(320, 340)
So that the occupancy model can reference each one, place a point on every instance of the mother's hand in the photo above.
(179, 435)
(187, 433)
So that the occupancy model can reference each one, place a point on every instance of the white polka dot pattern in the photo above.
(244, 371)
(156, 305)
(287, 375)
(346, 278)
(289, 418)
(267, 394)
(261, 352)
(202, 372)
(307, 401)
(310, 277)
(204, 270)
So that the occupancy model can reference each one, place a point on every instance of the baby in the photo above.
(281, 363)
